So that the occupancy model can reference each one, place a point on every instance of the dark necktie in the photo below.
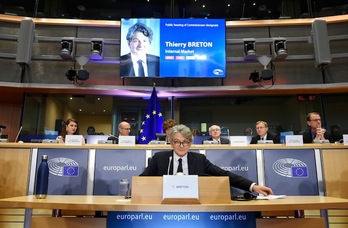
(180, 166)
(262, 139)
(141, 72)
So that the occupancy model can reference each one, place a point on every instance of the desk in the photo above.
(110, 203)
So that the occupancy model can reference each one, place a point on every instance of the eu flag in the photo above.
(153, 120)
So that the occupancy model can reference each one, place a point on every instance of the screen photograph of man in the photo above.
(139, 48)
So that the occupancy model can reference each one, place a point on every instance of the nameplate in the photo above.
(345, 140)
(73, 140)
(126, 140)
(183, 187)
(239, 140)
(293, 140)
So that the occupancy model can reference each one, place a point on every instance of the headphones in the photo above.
(245, 197)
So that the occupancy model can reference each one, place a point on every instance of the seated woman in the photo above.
(71, 128)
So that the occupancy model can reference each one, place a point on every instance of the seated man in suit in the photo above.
(263, 134)
(180, 160)
(215, 132)
(124, 129)
(138, 63)
(314, 132)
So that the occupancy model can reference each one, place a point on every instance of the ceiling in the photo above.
(116, 9)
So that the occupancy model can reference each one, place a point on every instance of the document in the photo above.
(270, 197)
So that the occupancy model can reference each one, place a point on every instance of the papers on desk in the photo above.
(269, 197)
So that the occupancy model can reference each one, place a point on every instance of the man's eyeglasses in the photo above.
(127, 129)
(215, 129)
(178, 143)
(316, 120)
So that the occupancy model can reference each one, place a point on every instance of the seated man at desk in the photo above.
(263, 134)
(215, 133)
(124, 129)
(180, 160)
(314, 133)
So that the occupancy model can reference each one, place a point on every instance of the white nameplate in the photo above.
(126, 140)
(345, 140)
(73, 140)
(183, 186)
(239, 140)
(293, 140)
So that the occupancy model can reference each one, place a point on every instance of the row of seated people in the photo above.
(314, 133)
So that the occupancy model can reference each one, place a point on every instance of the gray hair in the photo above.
(139, 27)
(183, 130)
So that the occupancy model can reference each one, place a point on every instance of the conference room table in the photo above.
(114, 203)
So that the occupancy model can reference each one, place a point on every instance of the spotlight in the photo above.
(67, 48)
(71, 74)
(279, 48)
(249, 49)
(97, 45)
(255, 76)
(82, 75)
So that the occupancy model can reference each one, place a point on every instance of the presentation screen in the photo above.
(171, 48)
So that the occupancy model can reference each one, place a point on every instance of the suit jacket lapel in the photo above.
(190, 163)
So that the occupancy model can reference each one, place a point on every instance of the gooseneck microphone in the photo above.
(170, 161)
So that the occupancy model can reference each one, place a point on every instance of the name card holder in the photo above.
(74, 140)
(180, 189)
(345, 140)
(239, 141)
(126, 140)
(293, 140)
(212, 190)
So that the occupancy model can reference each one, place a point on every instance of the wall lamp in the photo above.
(67, 48)
(97, 45)
(279, 48)
(249, 49)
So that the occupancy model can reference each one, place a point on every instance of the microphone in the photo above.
(113, 138)
(19, 132)
(170, 161)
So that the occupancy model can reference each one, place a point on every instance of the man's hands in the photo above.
(262, 190)
(320, 134)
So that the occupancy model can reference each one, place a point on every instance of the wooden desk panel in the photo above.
(112, 203)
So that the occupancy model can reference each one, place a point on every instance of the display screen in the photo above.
(194, 48)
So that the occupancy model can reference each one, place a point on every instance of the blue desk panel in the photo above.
(291, 172)
(113, 165)
(241, 162)
(68, 170)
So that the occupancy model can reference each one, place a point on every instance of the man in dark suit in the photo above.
(263, 134)
(168, 162)
(138, 63)
(124, 129)
(215, 133)
(314, 133)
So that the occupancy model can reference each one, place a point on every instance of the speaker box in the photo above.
(321, 43)
(25, 42)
